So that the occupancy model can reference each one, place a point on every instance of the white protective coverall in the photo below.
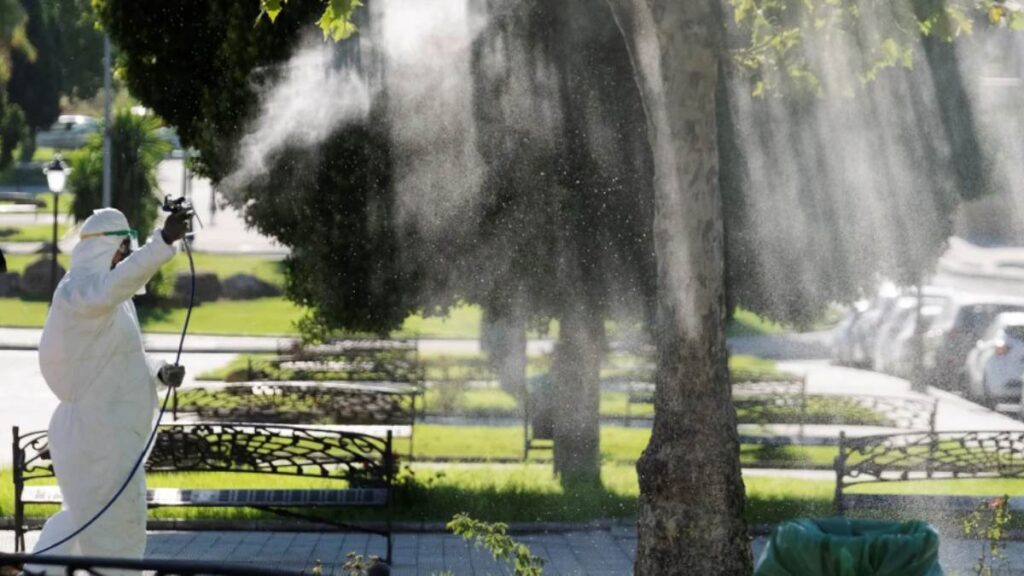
(92, 358)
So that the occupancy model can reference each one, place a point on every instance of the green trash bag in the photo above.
(851, 547)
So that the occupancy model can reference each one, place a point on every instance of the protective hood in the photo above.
(93, 254)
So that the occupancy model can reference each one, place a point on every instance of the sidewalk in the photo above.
(28, 339)
(584, 552)
(953, 413)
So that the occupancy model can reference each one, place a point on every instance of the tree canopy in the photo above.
(34, 84)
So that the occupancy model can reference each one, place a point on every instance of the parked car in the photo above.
(846, 349)
(996, 363)
(874, 322)
(69, 131)
(905, 308)
(956, 331)
(900, 354)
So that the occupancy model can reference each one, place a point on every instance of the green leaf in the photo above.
(271, 8)
(336, 22)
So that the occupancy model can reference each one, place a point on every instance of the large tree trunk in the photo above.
(577, 391)
(690, 517)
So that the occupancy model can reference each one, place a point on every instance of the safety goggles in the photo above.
(130, 233)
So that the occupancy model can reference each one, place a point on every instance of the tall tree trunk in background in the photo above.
(576, 367)
(690, 517)
(503, 337)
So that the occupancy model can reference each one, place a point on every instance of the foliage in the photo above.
(136, 152)
(335, 22)
(34, 84)
(200, 64)
(774, 31)
(13, 131)
(334, 208)
(79, 46)
(13, 36)
(990, 521)
(494, 537)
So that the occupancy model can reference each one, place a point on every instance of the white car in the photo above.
(900, 360)
(846, 348)
(69, 131)
(890, 326)
(996, 363)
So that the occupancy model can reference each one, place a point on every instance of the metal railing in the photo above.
(72, 565)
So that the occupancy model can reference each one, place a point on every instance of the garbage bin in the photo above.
(851, 547)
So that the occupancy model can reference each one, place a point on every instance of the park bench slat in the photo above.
(247, 497)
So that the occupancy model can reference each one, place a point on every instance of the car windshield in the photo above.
(974, 320)
(1015, 332)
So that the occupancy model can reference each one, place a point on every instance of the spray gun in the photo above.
(175, 205)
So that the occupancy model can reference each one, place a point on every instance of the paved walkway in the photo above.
(953, 412)
(583, 552)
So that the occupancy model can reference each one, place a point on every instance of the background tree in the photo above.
(566, 200)
(79, 45)
(13, 38)
(137, 149)
(34, 84)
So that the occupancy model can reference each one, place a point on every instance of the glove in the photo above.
(176, 225)
(171, 375)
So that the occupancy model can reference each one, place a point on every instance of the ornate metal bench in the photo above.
(363, 466)
(372, 408)
(924, 456)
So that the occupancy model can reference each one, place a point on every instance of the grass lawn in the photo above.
(746, 323)
(18, 262)
(263, 316)
(243, 317)
(31, 233)
(267, 269)
(530, 493)
(618, 445)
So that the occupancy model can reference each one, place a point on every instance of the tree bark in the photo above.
(690, 516)
(577, 390)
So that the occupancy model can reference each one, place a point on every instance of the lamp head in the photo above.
(56, 174)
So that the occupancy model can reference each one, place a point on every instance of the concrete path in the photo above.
(953, 412)
(224, 230)
(583, 552)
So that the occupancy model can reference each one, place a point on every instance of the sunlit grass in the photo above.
(263, 316)
(747, 323)
(531, 493)
(266, 269)
(31, 232)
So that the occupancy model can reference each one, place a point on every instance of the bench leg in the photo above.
(387, 559)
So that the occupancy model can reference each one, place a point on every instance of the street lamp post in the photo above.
(56, 177)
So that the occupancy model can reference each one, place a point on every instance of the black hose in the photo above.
(156, 426)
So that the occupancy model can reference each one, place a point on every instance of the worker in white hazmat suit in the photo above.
(92, 358)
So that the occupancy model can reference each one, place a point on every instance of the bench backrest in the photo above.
(303, 402)
(251, 448)
(925, 456)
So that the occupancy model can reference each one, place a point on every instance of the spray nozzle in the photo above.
(175, 205)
